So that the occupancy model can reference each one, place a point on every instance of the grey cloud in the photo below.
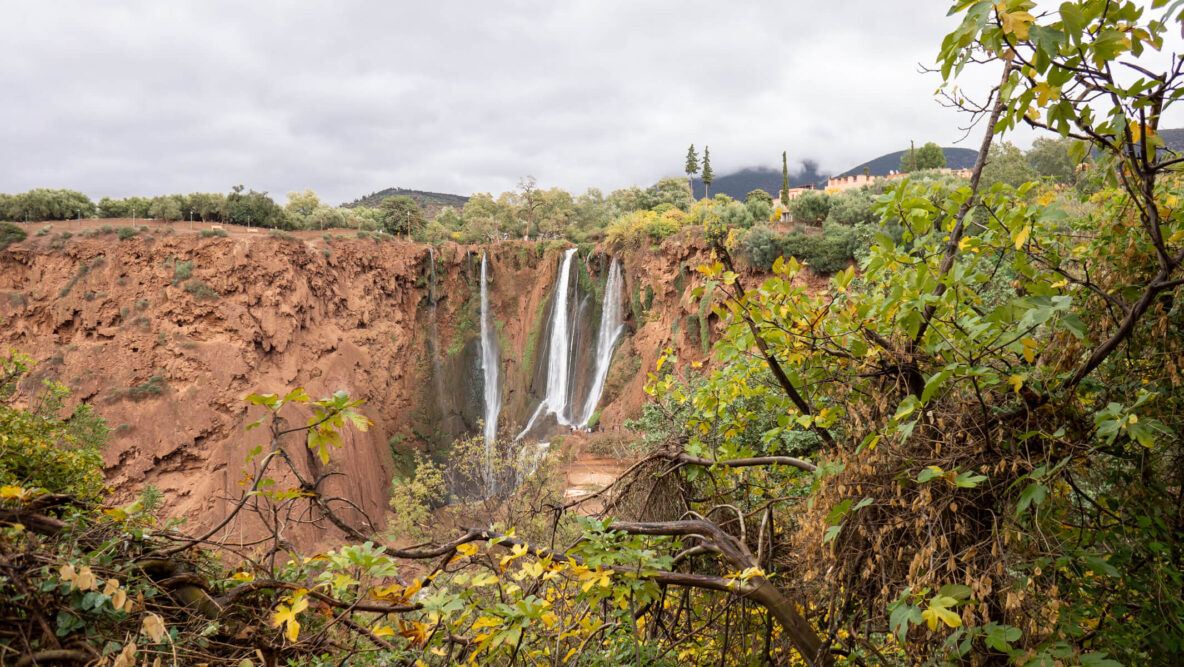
(350, 97)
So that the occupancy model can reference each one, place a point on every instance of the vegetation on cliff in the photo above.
(966, 452)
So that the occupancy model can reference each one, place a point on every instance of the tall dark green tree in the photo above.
(708, 175)
(784, 178)
(692, 167)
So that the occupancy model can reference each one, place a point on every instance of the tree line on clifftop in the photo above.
(965, 451)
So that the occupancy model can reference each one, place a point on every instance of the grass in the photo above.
(201, 290)
(207, 233)
(125, 233)
(182, 271)
(153, 386)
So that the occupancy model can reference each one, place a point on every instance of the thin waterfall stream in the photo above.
(611, 328)
(489, 370)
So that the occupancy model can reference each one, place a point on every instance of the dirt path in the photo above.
(590, 470)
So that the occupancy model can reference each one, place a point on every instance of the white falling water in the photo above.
(489, 362)
(559, 351)
(610, 330)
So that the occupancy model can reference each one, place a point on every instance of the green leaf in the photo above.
(956, 591)
(268, 400)
(934, 383)
(1033, 494)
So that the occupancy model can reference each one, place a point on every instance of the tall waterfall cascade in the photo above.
(560, 394)
(611, 328)
(489, 367)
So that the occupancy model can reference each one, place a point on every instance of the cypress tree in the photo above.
(692, 167)
(708, 175)
(784, 180)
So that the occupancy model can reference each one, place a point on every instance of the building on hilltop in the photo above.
(841, 183)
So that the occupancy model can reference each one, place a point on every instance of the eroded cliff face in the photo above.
(165, 333)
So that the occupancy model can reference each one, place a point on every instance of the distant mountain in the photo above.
(737, 185)
(956, 158)
(1173, 140)
(430, 202)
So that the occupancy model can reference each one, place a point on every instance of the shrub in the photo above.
(106, 229)
(282, 235)
(852, 208)
(207, 233)
(810, 208)
(201, 290)
(11, 233)
(39, 449)
(182, 271)
(141, 304)
(125, 233)
(44, 231)
(66, 235)
(824, 253)
(762, 247)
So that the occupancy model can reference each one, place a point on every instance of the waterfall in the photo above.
(559, 362)
(561, 393)
(559, 354)
(489, 362)
(610, 330)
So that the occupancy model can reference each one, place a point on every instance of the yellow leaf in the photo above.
(1029, 350)
(86, 579)
(242, 576)
(384, 631)
(413, 588)
(13, 492)
(126, 657)
(487, 622)
(939, 610)
(467, 549)
(1016, 382)
(68, 574)
(484, 579)
(153, 626)
(1015, 23)
(1021, 237)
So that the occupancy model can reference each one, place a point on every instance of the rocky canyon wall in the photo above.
(166, 332)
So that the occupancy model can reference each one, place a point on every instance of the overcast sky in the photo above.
(351, 97)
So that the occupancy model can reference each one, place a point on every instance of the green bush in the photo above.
(40, 450)
(182, 271)
(810, 208)
(762, 247)
(852, 208)
(207, 233)
(825, 253)
(11, 233)
(125, 233)
(201, 290)
(66, 235)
